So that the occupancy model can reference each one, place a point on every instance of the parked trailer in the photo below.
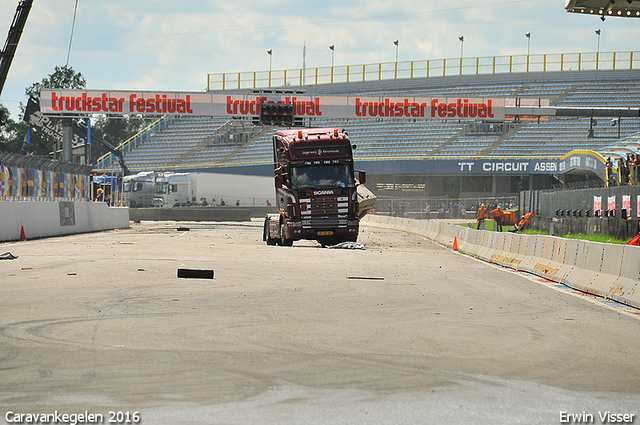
(189, 189)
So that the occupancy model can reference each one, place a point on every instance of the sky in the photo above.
(171, 45)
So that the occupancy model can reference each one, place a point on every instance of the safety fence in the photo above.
(605, 270)
(35, 178)
(425, 68)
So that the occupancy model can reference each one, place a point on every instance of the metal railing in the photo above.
(425, 68)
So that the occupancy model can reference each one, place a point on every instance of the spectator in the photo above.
(522, 224)
(497, 216)
(237, 202)
(443, 210)
(482, 215)
(222, 203)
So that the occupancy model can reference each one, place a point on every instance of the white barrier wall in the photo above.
(54, 218)
(606, 270)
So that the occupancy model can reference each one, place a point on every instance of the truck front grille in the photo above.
(324, 212)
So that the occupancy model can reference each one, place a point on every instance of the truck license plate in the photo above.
(325, 233)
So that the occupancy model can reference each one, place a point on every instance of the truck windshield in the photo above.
(322, 176)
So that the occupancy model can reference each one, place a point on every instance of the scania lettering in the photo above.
(316, 189)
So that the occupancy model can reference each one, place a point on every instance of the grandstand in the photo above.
(401, 150)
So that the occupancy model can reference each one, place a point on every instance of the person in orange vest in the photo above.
(524, 221)
(482, 215)
(497, 216)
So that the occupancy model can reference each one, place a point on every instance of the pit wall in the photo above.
(55, 218)
(606, 270)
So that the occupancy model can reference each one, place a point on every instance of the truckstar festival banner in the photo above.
(53, 101)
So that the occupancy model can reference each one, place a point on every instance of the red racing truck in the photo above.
(316, 189)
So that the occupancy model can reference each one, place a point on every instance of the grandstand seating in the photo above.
(187, 142)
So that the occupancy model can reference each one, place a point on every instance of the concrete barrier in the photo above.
(532, 253)
(627, 284)
(191, 214)
(54, 218)
(606, 270)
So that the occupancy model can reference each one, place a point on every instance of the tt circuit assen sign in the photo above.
(575, 160)
(54, 101)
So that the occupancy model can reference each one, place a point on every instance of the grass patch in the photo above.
(591, 238)
(596, 238)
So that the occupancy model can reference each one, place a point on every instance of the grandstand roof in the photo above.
(606, 8)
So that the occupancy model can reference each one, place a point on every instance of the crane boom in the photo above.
(10, 46)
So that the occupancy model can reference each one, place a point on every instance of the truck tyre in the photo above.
(283, 240)
(265, 233)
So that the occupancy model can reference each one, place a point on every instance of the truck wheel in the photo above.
(283, 240)
(265, 233)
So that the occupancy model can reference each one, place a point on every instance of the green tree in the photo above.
(117, 130)
(63, 77)
(13, 133)
(8, 137)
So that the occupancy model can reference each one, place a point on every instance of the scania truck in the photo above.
(316, 188)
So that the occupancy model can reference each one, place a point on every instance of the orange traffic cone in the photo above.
(455, 243)
(22, 235)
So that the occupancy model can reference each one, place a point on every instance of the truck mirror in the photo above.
(362, 177)
(278, 180)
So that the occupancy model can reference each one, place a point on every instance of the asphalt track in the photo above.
(404, 332)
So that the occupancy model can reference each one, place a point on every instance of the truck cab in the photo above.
(138, 189)
(175, 190)
(316, 188)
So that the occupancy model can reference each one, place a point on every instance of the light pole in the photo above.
(528, 35)
(598, 50)
(333, 52)
(396, 42)
(461, 38)
(270, 52)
